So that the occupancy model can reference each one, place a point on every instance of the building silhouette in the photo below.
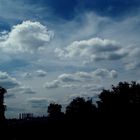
(26, 116)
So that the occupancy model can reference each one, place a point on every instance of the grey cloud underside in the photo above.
(78, 79)
(15, 109)
(41, 73)
(22, 90)
(94, 49)
(39, 102)
(10, 96)
(33, 74)
(13, 86)
(97, 49)
(7, 81)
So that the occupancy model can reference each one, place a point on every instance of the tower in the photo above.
(2, 106)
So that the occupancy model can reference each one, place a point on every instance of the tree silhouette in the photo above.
(54, 111)
(2, 106)
(79, 108)
(121, 100)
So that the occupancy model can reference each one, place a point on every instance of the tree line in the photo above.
(118, 109)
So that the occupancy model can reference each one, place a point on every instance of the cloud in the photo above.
(93, 87)
(41, 73)
(94, 49)
(25, 37)
(27, 75)
(10, 96)
(22, 90)
(7, 81)
(52, 84)
(67, 78)
(15, 109)
(39, 102)
(105, 73)
(80, 78)
(27, 90)
(37, 73)
(133, 61)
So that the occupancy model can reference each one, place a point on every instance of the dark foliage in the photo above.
(122, 99)
(2, 106)
(117, 110)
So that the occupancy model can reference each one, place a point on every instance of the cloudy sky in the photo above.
(55, 50)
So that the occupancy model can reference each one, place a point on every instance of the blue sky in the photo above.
(56, 50)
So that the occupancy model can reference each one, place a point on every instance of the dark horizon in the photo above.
(57, 50)
(117, 110)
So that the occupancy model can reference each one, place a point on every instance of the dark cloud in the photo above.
(10, 96)
(15, 109)
(7, 81)
(77, 79)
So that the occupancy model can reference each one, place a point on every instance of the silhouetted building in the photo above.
(26, 116)
(2, 106)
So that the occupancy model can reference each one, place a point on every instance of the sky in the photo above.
(56, 50)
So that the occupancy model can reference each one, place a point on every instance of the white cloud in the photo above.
(78, 79)
(105, 73)
(52, 84)
(113, 74)
(25, 37)
(41, 73)
(67, 78)
(93, 49)
(7, 81)
(37, 73)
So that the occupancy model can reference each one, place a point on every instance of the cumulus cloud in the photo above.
(41, 73)
(25, 37)
(7, 81)
(37, 73)
(67, 78)
(93, 49)
(52, 84)
(77, 79)
(105, 73)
